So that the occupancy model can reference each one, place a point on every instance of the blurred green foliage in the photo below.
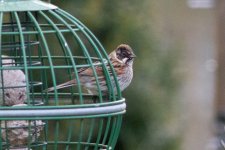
(151, 98)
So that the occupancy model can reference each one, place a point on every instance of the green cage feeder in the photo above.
(42, 46)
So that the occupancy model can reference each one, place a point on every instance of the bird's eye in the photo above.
(7, 95)
(124, 53)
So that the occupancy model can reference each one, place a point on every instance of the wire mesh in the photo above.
(46, 48)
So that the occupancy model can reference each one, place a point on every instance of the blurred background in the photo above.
(176, 100)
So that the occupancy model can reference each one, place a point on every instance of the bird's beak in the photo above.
(133, 55)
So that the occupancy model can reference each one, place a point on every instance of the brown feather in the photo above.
(122, 61)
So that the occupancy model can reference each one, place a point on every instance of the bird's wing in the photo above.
(89, 71)
(117, 65)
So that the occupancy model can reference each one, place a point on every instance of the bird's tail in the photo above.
(63, 85)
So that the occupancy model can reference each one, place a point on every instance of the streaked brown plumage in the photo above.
(122, 60)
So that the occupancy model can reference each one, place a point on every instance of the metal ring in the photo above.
(30, 112)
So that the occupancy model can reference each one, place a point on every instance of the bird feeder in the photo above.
(48, 46)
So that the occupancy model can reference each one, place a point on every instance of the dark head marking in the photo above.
(125, 53)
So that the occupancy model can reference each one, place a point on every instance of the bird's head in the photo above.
(125, 54)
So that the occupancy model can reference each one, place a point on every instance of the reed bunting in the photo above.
(122, 60)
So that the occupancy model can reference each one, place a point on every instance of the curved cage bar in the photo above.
(42, 46)
(55, 112)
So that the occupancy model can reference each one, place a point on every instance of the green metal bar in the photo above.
(56, 135)
(29, 133)
(43, 67)
(92, 124)
(106, 55)
(16, 45)
(62, 39)
(35, 130)
(1, 71)
(24, 55)
(7, 133)
(84, 50)
(13, 36)
(1, 22)
(118, 127)
(46, 132)
(114, 74)
(106, 130)
(36, 32)
(75, 143)
(96, 50)
(59, 57)
(38, 145)
(1, 143)
(99, 134)
(43, 72)
(48, 67)
(64, 117)
(66, 106)
(111, 138)
(47, 52)
(67, 52)
(78, 23)
(70, 131)
(80, 134)
(29, 24)
(44, 78)
(29, 53)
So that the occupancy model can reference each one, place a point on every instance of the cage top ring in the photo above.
(24, 5)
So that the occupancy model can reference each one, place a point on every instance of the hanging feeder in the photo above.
(42, 46)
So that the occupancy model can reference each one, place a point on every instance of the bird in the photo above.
(122, 59)
(18, 133)
(12, 84)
